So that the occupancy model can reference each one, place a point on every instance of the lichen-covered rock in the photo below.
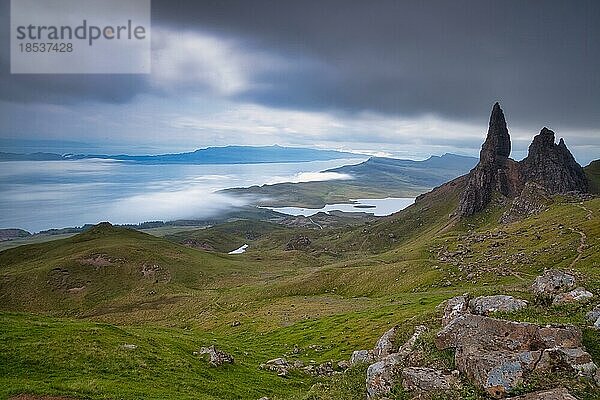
(552, 282)
(594, 316)
(485, 305)
(497, 355)
(575, 359)
(382, 376)
(554, 394)
(573, 296)
(454, 307)
(217, 357)
(385, 344)
(497, 372)
(494, 334)
(362, 357)
(420, 379)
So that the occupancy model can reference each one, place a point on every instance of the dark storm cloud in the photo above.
(540, 59)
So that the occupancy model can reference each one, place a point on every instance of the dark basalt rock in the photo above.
(549, 165)
(552, 166)
(495, 171)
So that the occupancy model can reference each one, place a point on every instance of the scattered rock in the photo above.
(575, 295)
(217, 357)
(298, 243)
(427, 379)
(552, 282)
(155, 273)
(235, 323)
(343, 365)
(532, 200)
(129, 346)
(454, 307)
(554, 394)
(382, 375)
(362, 357)
(594, 316)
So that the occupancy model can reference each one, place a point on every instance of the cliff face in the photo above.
(549, 165)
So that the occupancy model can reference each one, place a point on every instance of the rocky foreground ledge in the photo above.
(497, 356)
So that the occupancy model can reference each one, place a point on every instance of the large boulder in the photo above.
(420, 379)
(552, 282)
(494, 334)
(497, 355)
(455, 307)
(554, 394)
(497, 372)
(575, 359)
(485, 305)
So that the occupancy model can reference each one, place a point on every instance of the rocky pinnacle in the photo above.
(549, 165)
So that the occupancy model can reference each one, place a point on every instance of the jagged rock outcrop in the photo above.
(495, 171)
(550, 166)
(383, 374)
(498, 355)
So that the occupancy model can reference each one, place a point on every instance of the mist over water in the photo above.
(39, 195)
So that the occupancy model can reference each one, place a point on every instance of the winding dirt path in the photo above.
(583, 238)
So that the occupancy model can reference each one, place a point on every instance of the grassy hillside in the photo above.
(336, 295)
(593, 173)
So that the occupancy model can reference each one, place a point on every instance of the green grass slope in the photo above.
(592, 172)
(337, 295)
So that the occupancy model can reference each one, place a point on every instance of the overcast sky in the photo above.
(401, 78)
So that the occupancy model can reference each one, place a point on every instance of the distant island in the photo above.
(209, 155)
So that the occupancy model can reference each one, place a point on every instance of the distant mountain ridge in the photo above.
(375, 178)
(426, 173)
(209, 155)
